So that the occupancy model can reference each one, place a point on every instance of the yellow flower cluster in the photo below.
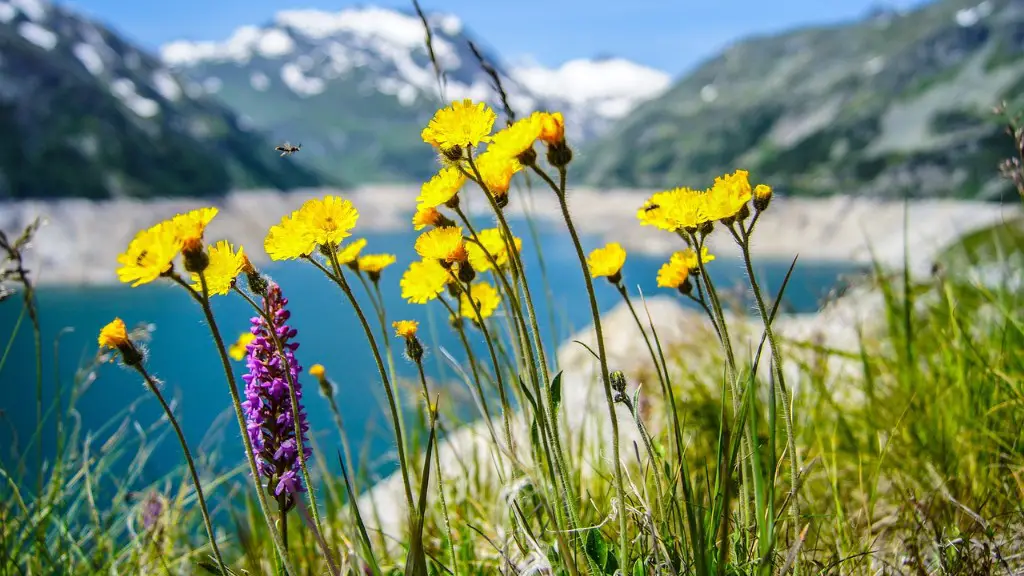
(152, 252)
(318, 222)
(686, 209)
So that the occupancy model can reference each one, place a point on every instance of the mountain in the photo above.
(355, 87)
(899, 102)
(84, 113)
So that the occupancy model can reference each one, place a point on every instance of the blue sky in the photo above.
(672, 35)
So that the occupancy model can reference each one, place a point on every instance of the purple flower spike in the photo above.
(268, 404)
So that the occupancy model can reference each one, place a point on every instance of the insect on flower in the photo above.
(287, 149)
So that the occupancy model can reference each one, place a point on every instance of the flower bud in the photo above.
(559, 155)
(196, 260)
(762, 196)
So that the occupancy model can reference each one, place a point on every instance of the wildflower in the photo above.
(689, 257)
(329, 220)
(429, 216)
(729, 196)
(460, 125)
(675, 273)
(423, 281)
(492, 242)
(405, 328)
(350, 252)
(373, 264)
(442, 188)
(675, 210)
(496, 173)
(192, 225)
(290, 239)
(268, 404)
(445, 245)
(150, 254)
(240, 348)
(317, 371)
(485, 301)
(115, 336)
(516, 141)
(224, 265)
(152, 511)
(762, 196)
(607, 261)
(257, 284)
(552, 128)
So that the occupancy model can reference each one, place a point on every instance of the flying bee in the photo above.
(287, 149)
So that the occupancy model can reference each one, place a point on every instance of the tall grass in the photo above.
(898, 451)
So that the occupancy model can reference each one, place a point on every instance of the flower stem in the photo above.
(595, 312)
(191, 464)
(339, 279)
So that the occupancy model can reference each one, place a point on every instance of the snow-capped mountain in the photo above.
(356, 86)
(85, 113)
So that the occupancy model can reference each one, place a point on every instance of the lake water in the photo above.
(181, 353)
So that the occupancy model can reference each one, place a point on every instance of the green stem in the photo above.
(339, 278)
(236, 403)
(787, 413)
(595, 312)
(191, 464)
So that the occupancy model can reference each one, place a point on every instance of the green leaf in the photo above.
(596, 547)
(556, 392)
(638, 568)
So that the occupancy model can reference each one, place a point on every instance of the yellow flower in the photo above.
(423, 281)
(441, 188)
(462, 124)
(443, 244)
(374, 263)
(491, 242)
(405, 328)
(350, 251)
(762, 196)
(225, 265)
(484, 296)
(552, 128)
(673, 210)
(289, 240)
(675, 272)
(190, 226)
(317, 371)
(689, 257)
(607, 261)
(426, 216)
(513, 140)
(114, 334)
(239, 349)
(497, 170)
(729, 195)
(329, 220)
(149, 254)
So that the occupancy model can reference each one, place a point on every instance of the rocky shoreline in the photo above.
(81, 240)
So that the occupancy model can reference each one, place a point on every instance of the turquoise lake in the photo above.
(182, 356)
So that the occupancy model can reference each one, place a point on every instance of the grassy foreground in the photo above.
(903, 455)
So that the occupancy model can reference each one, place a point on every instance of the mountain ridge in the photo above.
(296, 75)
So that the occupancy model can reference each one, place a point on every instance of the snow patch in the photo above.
(398, 28)
(874, 65)
(38, 35)
(89, 57)
(7, 12)
(124, 89)
(970, 16)
(709, 93)
(259, 81)
(32, 9)
(299, 83)
(614, 86)
(275, 43)
(166, 85)
(450, 24)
